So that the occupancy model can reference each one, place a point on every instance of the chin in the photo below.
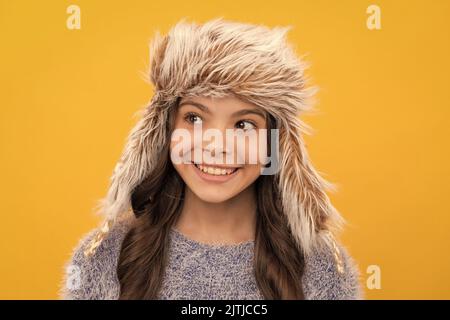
(212, 197)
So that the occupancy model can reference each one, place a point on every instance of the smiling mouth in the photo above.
(215, 171)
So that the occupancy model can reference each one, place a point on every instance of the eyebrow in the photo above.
(205, 109)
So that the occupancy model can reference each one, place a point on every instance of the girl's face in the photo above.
(223, 156)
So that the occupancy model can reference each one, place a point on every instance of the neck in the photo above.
(231, 221)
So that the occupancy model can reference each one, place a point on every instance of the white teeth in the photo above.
(215, 171)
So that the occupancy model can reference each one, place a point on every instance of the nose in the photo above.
(214, 144)
(217, 148)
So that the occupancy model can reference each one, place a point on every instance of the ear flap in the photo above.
(309, 211)
(142, 149)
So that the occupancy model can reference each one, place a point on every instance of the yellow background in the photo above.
(68, 99)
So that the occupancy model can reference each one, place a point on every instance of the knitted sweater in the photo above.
(197, 270)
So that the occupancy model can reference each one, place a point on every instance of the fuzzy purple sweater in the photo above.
(198, 270)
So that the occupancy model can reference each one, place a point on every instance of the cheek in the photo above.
(254, 151)
(252, 171)
(249, 173)
(181, 146)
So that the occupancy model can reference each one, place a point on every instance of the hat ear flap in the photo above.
(303, 190)
(142, 149)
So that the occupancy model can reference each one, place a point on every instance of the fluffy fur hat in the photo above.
(216, 59)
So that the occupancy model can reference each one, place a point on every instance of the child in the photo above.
(183, 226)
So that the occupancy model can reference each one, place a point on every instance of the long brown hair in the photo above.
(157, 202)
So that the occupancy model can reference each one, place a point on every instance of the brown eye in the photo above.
(193, 118)
(245, 125)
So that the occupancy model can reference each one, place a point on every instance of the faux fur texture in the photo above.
(95, 277)
(254, 63)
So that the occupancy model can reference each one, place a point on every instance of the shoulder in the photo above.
(326, 279)
(95, 276)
